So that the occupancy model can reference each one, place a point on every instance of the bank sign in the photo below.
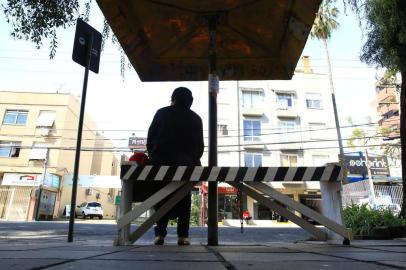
(358, 165)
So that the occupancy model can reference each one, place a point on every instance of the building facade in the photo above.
(37, 149)
(275, 123)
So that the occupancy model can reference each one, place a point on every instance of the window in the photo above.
(222, 130)
(252, 160)
(39, 151)
(320, 160)
(15, 117)
(287, 130)
(288, 160)
(314, 101)
(46, 119)
(9, 149)
(284, 101)
(252, 130)
(316, 130)
(252, 98)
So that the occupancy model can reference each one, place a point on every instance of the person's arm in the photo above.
(152, 131)
(201, 140)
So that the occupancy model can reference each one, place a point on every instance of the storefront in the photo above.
(228, 202)
(18, 193)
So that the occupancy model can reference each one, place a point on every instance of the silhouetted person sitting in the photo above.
(175, 138)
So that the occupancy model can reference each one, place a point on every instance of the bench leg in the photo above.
(332, 207)
(162, 211)
(125, 206)
(327, 222)
(319, 234)
(148, 203)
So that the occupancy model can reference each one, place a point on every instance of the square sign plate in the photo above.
(82, 40)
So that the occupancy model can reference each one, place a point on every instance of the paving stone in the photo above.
(375, 243)
(49, 254)
(150, 265)
(159, 256)
(370, 256)
(390, 248)
(25, 264)
(169, 248)
(337, 249)
(309, 265)
(91, 248)
(394, 263)
(255, 249)
(276, 257)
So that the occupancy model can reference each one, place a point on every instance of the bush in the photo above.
(362, 219)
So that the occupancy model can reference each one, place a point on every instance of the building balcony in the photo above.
(252, 111)
(253, 144)
(286, 113)
(385, 108)
(386, 94)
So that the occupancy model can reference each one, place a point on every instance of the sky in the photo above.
(124, 106)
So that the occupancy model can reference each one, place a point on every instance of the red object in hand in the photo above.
(140, 157)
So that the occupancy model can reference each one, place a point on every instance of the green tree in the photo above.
(324, 24)
(37, 21)
(384, 25)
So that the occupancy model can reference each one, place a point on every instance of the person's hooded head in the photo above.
(182, 97)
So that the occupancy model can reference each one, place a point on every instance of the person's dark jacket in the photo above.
(175, 137)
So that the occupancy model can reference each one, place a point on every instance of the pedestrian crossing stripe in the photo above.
(131, 171)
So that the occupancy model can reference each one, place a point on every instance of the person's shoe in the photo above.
(183, 241)
(159, 240)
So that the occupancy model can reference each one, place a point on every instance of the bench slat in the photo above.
(131, 171)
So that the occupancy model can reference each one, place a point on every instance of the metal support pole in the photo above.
(212, 222)
(89, 45)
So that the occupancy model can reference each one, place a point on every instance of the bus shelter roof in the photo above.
(168, 40)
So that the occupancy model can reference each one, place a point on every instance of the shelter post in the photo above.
(212, 222)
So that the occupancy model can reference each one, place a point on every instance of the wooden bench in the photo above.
(250, 180)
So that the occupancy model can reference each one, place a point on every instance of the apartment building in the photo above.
(387, 102)
(37, 149)
(275, 123)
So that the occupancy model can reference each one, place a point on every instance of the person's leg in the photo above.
(183, 210)
(161, 225)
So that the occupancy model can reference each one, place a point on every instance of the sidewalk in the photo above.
(305, 255)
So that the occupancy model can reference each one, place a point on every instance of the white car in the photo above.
(89, 209)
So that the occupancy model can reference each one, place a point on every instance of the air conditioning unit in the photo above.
(45, 131)
(89, 191)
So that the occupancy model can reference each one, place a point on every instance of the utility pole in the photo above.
(44, 173)
(370, 181)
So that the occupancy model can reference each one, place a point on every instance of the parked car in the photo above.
(89, 209)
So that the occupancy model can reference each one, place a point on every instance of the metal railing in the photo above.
(360, 192)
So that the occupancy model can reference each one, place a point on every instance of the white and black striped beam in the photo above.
(229, 174)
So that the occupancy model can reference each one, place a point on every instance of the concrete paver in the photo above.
(159, 256)
(370, 256)
(26, 264)
(150, 265)
(309, 265)
(49, 254)
(276, 257)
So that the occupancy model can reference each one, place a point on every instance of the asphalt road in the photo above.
(89, 231)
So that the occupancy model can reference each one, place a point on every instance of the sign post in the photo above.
(86, 52)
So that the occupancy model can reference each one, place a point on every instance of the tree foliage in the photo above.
(326, 20)
(36, 20)
(384, 25)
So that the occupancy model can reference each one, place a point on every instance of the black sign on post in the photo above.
(357, 165)
(82, 39)
(86, 52)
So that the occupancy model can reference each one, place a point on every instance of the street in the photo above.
(105, 231)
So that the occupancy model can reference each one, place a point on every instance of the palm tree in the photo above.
(324, 24)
